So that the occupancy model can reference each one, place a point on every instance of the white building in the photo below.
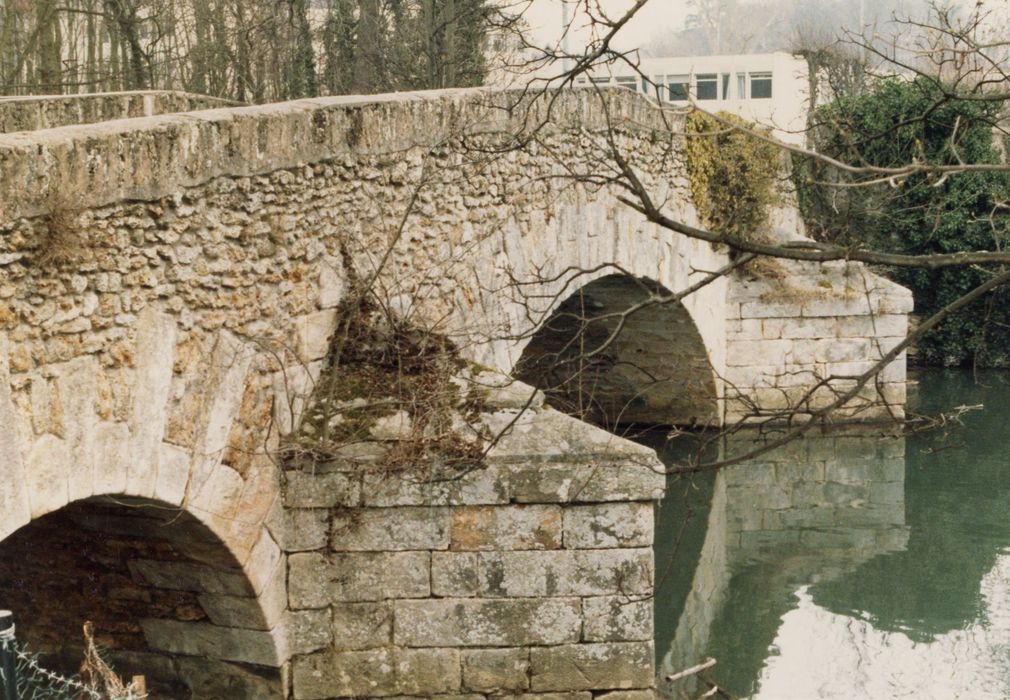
(770, 89)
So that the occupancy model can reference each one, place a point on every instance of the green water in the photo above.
(850, 567)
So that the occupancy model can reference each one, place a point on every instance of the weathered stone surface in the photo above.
(208, 678)
(155, 353)
(307, 631)
(496, 670)
(362, 625)
(388, 529)
(304, 489)
(550, 435)
(78, 392)
(317, 580)
(46, 476)
(629, 695)
(52, 111)
(624, 665)
(304, 529)
(313, 334)
(379, 672)
(600, 482)
(199, 639)
(609, 525)
(549, 573)
(506, 527)
(617, 619)
(468, 622)
(184, 576)
(486, 485)
(14, 500)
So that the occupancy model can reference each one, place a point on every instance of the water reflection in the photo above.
(848, 567)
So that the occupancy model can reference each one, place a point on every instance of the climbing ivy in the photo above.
(732, 174)
(899, 122)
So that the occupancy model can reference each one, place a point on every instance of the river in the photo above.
(849, 567)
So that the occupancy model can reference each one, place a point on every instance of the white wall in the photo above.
(785, 111)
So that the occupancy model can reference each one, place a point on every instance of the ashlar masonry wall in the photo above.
(530, 576)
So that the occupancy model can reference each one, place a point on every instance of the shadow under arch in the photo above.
(613, 354)
(167, 598)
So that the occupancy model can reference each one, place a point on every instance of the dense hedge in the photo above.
(900, 122)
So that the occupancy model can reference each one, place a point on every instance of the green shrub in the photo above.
(896, 123)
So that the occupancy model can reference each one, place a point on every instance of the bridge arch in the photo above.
(167, 597)
(615, 353)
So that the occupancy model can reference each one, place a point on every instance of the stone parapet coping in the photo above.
(152, 157)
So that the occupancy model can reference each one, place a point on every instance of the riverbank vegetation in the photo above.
(899, 121)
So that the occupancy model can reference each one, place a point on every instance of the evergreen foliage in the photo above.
(895, 123)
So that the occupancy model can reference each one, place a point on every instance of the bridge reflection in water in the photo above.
(846, 567)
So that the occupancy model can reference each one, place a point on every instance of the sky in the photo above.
(544, 17)
(660, 17)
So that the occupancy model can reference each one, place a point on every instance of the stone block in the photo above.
(15, 508)
(427, 671)
(313, 333)
(378, 672)
(307, 631)
(305, 489)
(487, 485)
(207, 678)
(495, 670)
(304, 529)
(184, 576)
(609, 525)
(601, 482)
(317, 580)
(155, 355)
(78, 391)
(506, 527)
(617, 619)
(472, 623)
(220, 392)
(331, 282)
(629, 695)
(46, 476)
(388, 529)
(526, 574)
(362, 625)
(201, 639)
(456, 574)
(173, 469)
(617, 666)
(544, 696)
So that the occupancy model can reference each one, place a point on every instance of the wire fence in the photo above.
(22, 677)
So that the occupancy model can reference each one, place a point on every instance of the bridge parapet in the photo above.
(36, 112)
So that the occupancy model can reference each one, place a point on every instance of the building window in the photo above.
(677, 88)
(760, 86)
(741, 86)
(627, 82)
(725, 86)
(707, 86)
(601, 81)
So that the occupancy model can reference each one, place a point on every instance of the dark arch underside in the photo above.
(654, 371)
(133, 568)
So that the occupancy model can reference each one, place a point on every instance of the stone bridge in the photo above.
(169, 284)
